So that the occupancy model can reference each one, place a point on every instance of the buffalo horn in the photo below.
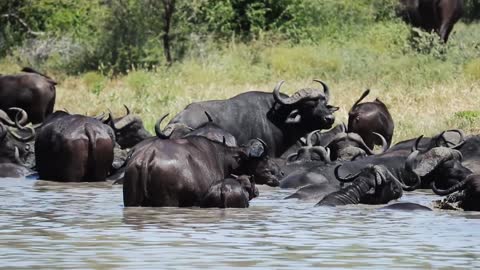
(452, 189)
(209, 117)
(3, 132)
(348, 178)
(24, 118)
(6, 119)
(454, 146)
(158, 130)
(326, 90)
(20, 138)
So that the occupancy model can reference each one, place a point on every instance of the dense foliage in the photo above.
(118, 35)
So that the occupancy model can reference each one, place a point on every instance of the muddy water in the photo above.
(51, 225)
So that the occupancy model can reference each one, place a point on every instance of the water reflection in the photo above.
(54, 225)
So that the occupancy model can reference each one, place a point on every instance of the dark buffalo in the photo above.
(369, 117)
(16, 145)
(73, 148)
(374, 184)
(317, 139)
(213, 132)
(129, 129)
(469, 192)
(433, 15)
(349, 146)
(230, 193)
(179, 172)
(312, 182)
(31, 91)
(275, 118)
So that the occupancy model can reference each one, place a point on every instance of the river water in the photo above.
(56, 226)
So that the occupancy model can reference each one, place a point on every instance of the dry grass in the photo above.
(424, 110)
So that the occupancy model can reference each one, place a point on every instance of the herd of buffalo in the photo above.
(214, 153)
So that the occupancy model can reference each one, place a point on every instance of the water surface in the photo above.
(52, 225)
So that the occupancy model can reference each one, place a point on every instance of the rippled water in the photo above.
(51, 225)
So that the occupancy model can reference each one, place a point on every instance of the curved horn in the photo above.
(20, 138)
(348, 178)
(401, 183)
(415, 145)
(158, 130)
(276, 94)
(5, 118)
(452, 189)
(454, 146)
(384, 142)
(24, 118)
(309, 137)
(209, 117)
(326, 90)
(234, 175)
(127, 109)
(358, 139)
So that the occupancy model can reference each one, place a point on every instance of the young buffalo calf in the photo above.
(230, 193)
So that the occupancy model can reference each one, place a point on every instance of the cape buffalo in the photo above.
(275, 118)
(129, 129)
(233, 192)
(31, 91)
(369, 117)
(179, 172)
(469, 199)
(73, 148)
(433, 15)
(374, 184)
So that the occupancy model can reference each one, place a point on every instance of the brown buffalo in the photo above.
(32, 91)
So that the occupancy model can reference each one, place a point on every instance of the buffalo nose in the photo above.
(330, 119)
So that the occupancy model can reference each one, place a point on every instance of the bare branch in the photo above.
(23, 23)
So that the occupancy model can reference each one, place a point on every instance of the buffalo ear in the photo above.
(255, 149)
(294, 117)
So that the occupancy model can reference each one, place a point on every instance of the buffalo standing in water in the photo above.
(74, 148)
(179, 172)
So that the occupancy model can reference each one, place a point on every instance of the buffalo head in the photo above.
(439, 164)
(307, 108)
(129, 129)
(255, 159)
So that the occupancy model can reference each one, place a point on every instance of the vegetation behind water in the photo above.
(109, 53)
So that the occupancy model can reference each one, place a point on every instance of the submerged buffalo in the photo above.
(233, 192)
(32, 91)
(275, 118)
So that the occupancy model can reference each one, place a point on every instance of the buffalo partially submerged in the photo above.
(433, 15)
(275, 118)
(74, 148)
(32, 91)
(233, 192)
(179, 172)
(369, 117)
(374, 184)
(469, 193)
(16, 148)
